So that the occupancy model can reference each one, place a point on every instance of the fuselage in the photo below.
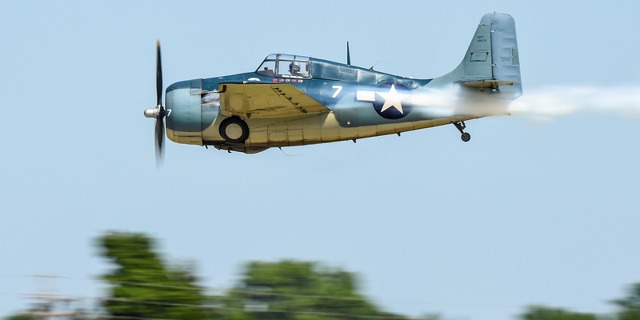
(361, 103)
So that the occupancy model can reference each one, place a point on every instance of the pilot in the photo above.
(294, 69)
(267, 72)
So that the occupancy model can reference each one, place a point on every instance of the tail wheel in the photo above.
(234, 130)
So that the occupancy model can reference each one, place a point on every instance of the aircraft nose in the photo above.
(183, 114)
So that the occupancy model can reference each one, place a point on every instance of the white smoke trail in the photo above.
(548, 103)
(544, 103)
(455, 100)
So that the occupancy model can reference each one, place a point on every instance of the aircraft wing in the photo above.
(266, 100)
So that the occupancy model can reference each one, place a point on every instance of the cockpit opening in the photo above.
(286, 66)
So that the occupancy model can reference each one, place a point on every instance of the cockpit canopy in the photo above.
(284, 65)
(302, 67)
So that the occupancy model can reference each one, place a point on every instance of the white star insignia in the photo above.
(392, 99)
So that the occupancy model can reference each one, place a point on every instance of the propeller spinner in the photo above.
(158, 112)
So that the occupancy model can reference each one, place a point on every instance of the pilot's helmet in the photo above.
(294, 68)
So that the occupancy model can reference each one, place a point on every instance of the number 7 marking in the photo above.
(338, 89)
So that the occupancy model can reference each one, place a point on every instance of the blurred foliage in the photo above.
(630, 305)
(301, 291)
(20, 316)
(547, 313)
(143, 287)
(27, 316)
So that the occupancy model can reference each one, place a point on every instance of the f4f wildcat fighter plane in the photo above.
(293, 100)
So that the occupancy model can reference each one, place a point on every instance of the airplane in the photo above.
(293, 100)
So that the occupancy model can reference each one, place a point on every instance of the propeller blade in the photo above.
(158, 74)
(159, 138)
(159, 131)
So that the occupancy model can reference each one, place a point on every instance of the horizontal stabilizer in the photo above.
(487, 84)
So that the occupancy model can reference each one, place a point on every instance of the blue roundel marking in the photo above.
(391, 101)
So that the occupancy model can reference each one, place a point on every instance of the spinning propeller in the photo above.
(158, 112)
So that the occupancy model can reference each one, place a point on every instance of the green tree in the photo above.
(20, 316)
(142, 286)
(290, 290)
(37, 314)
(547, 313)
(630, 305)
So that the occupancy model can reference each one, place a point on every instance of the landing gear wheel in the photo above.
(234, 130)
(460, 125)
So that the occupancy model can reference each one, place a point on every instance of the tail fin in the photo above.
(492, 61)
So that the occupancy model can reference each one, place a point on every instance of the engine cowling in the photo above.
(183, 112)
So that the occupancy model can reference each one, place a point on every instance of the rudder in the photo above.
(504, 52)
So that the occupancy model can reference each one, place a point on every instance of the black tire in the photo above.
(465, 137)
(234, 130)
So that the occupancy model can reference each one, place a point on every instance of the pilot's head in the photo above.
(294, 68)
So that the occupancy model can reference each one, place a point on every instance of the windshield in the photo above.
(284, 65)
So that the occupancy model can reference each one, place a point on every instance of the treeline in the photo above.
(143, 286)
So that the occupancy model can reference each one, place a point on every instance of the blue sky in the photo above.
(527, 212)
